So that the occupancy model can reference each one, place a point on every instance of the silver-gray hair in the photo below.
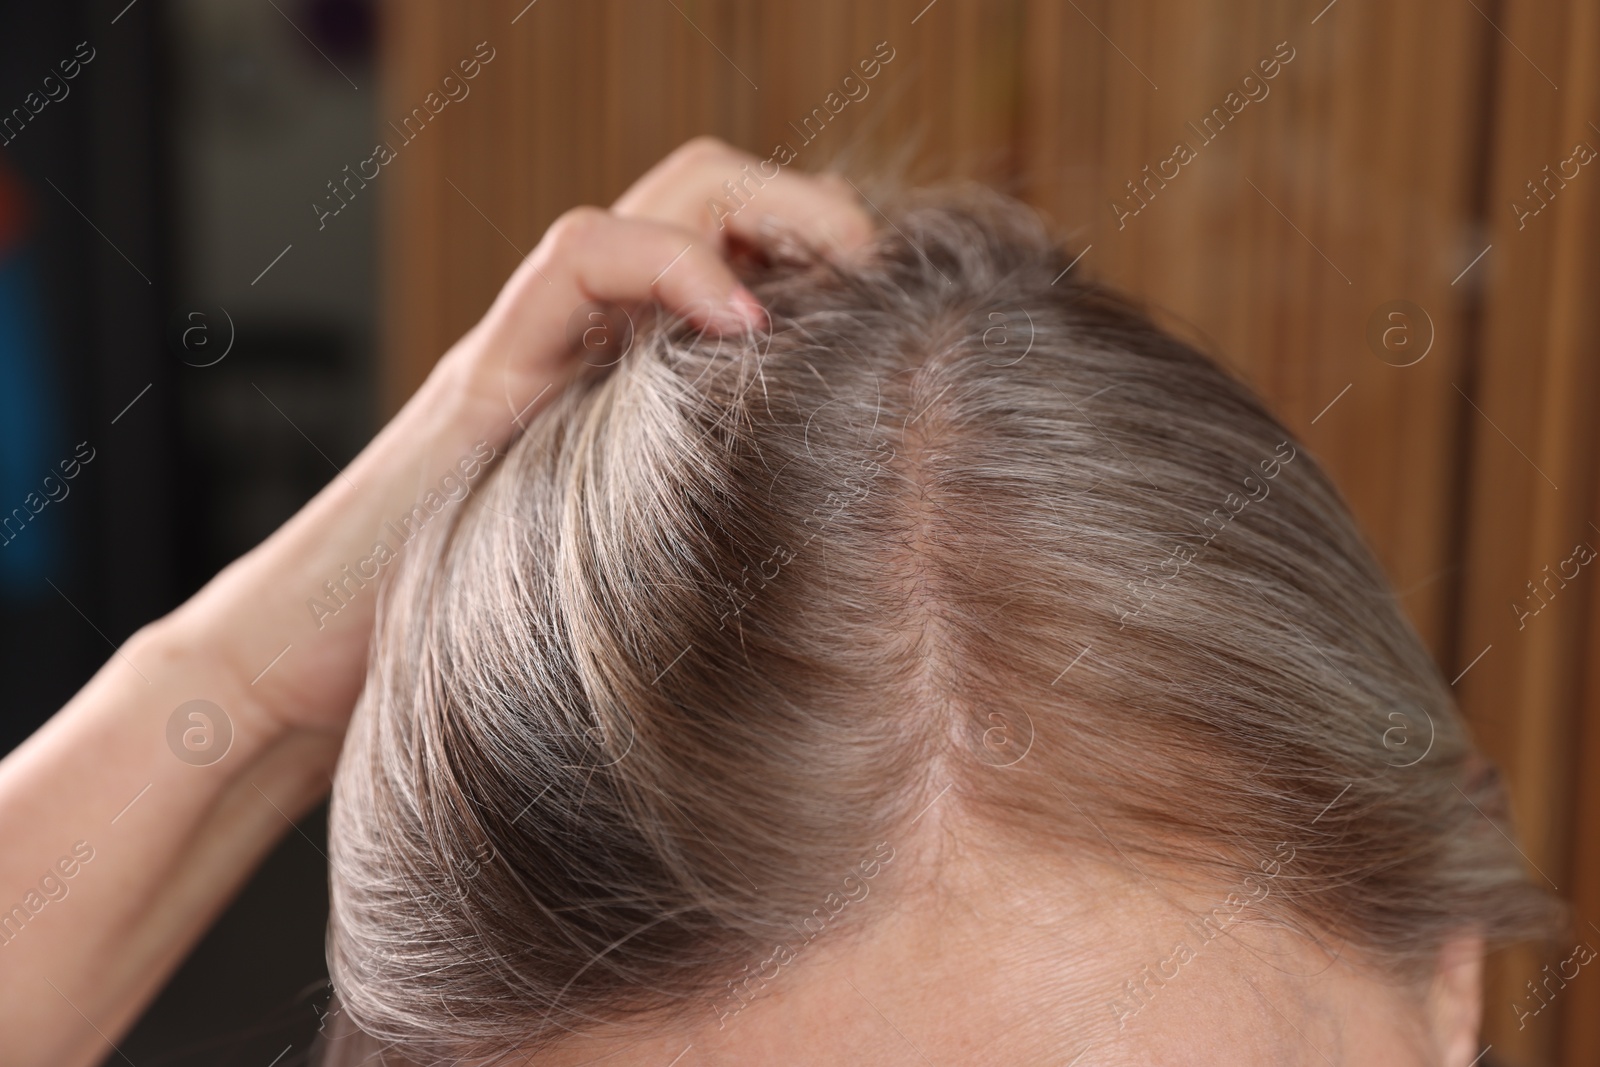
(732, 613)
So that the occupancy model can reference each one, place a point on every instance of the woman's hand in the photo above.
(666, 241)
(277, 642)
(662, 242)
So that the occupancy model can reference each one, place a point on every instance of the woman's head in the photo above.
(964, 663)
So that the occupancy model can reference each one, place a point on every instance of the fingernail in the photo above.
(743, 306)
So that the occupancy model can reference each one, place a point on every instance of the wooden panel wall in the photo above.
(1380, 164)
(1533, 482)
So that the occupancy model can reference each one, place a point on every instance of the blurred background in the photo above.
(214, 286)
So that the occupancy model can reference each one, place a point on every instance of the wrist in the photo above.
(217, 717)
(490, 384)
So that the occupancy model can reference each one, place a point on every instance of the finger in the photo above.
(621, 259)
(718, 191)
(592, 255)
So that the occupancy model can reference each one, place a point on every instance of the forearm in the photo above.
(161, 844)
(165, 833)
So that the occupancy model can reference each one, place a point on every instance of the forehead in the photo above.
(1013, 962)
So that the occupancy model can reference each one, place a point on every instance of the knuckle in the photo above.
(703, 148)
(700, 157)
(574, 227)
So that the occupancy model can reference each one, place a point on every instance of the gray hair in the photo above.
(732, 613)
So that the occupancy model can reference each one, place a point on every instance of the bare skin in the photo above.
(168, 842)
(1004, 958)
(983, 957)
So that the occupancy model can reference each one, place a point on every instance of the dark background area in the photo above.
(138, 325)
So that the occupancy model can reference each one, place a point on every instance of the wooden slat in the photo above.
(1533, 474)
(1374, 177)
